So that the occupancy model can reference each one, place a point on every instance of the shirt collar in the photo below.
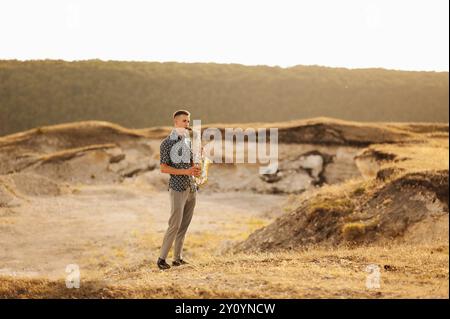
(175, 136)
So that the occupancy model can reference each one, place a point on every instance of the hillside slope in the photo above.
(144, 94)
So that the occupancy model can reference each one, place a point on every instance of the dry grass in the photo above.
(351, 231)
(407, 271)
(430, 154)
(317, 272)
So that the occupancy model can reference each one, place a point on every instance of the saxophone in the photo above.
(205, 162)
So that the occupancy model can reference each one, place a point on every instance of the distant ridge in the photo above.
(144, 94)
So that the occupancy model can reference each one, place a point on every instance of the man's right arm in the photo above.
(172, 170)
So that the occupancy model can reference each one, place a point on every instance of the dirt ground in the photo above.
(118, 225)
(91, 195)
(113, 233)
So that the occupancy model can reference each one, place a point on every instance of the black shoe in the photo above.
(162, 264)
(179, 262)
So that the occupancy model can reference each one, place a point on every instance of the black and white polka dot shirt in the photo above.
(176, 151)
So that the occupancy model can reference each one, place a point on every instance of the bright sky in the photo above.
(394, 34)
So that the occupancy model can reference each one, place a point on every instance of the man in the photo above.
(176, 159)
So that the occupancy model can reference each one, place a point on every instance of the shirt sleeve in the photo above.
(164, 153)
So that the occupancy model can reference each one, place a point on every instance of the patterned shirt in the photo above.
(176, 151)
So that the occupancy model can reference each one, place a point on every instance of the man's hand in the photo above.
(194, 171)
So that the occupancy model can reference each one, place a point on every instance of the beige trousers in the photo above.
(181, 211)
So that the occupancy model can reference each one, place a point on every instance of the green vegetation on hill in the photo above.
(143, 94)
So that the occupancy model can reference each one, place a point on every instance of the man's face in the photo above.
(182, 121)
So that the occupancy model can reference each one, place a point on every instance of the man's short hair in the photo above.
(181, 112)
